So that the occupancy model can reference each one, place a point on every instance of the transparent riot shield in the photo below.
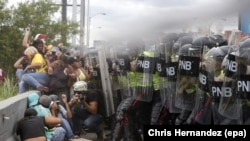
(143, 90)
(210, 69)
(171, 72)
(243, 81)
(123, 69)
(201, 113)
(229, 104)
(186, 86)
(243, 97)
(96, 79)
(162, 80)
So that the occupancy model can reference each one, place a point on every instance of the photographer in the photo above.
(86, 108)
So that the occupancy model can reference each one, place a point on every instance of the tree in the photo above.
(40, 16)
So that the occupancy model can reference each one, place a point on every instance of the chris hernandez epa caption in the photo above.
(179, 132)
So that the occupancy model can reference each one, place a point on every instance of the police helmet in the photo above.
(185, 40)
(175, 48)
(169, 38)
(80, 86)
(184, 50)
(202, 42)
(217, 53)
(218, 40)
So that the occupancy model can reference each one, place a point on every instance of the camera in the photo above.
(81, 97)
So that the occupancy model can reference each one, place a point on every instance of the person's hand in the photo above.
(64, 98)
(59, 54)
(91, 69)
(27, 68)
(72, 75)
(53, 107)
(48, 54)
(27, 30)
(83, 101)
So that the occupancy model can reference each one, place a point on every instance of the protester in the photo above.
(78, 72)
(38, 42)
(38, 80)
(86, 106)
(20, 65)
(65, 115)
(31, 127)
(41, 105)
(59, 78)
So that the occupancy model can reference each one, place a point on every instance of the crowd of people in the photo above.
(65, 107)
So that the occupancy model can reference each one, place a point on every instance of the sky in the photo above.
(151, 18)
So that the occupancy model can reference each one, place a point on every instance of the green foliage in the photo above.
(8, 89)
(41, 17)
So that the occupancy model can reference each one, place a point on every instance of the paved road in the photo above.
(92, 136)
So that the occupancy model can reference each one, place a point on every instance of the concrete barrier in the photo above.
(11, 111)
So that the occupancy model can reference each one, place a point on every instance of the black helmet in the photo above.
(202, 42)
(217, 53)
(226, 49)
(175, 48)
(218, 40)
(185, 40)
(184, 50)
(169, 37)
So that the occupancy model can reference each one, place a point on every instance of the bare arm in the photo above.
(92, 107)
(53, 121)
(73, 101)
(26, 37)
(18, 63)
(64, 99)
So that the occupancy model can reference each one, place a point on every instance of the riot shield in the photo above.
(243, 81)
(145, 68)
(165, 55)
(201, 113)
(188, 71)
(171, 72)
(161, 80)
(123, 69)
(209, 72)
(229, 104)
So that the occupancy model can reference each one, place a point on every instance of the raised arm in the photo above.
(25, 42)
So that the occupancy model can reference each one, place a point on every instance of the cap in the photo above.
(55, 49)
(71, 60)
(54, 98)
(30, 112)
(45, 101)
(40, 36)
(33, 99)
